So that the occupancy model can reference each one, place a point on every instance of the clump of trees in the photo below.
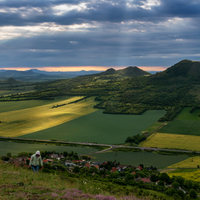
(135, 139)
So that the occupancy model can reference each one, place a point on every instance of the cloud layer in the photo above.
(37, 33)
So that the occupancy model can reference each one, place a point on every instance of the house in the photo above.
(87, 165)
(54, 156)
(23, 158)
(121, 168)
(98, 163)
(96, 166)
(139, 167)
(114, 169)
(15, 161)
(146, 180)
(77, 161)
(45, 161)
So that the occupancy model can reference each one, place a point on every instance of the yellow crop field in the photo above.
(193, 175)
(191, 162)
(24, 121)
(165, 140)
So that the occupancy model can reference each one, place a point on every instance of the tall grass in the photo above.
(19, 183)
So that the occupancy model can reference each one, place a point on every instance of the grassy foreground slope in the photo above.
(173, 141)
(24, 121)
(99, 127)
(185, 123)
(18, 183)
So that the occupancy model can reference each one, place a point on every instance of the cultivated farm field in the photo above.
(6, 106)
(14, 148)
(136, 158)
(28, 120)
(173, 141)
(185, 123)
(191, 162)
(189, 174)
(100, 128)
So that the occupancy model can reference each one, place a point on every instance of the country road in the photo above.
(110, 146)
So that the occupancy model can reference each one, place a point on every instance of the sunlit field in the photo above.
(24, 121)
(176, 141)
(192, 162)
(189, 174)
(100, 128)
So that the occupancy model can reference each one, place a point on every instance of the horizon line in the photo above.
(81, 68)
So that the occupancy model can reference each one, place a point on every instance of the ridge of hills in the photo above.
(128, 71)
(35, 75)
(131, 90)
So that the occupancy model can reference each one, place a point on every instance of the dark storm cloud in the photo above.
(117, 33)
(100, 11)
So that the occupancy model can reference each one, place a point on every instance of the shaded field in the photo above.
(15, 90)
(6, 106)
(188, 163)
(15, 148)
(24, 121)
(173, 141)
(136, 158)
(185, 123)
(100, 128)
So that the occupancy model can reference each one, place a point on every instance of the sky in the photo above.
(70, 35)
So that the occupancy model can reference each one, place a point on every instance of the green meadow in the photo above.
(185, 123)
(15, 148)
(136, 158)
(99, 127)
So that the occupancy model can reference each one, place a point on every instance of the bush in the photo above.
(175, 185)
(193, 194)
(179, 179)
(170, 191)
(164, 177)
(5, 158)
(181, 194)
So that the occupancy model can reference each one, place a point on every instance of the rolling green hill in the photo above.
(130, 90)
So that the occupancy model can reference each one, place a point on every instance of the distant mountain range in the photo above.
(39, 75)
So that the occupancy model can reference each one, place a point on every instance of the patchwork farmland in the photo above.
(192, 162)
(24, 121)
(173, 141)
(100, 128)
(185, 123)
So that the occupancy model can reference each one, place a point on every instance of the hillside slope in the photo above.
(131, 90)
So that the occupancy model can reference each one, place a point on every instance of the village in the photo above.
(109, 171)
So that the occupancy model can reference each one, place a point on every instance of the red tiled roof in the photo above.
(140, 167)
(133, 172)
(145, 180)
(96, 166)
(114, 169)
(87, 165)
